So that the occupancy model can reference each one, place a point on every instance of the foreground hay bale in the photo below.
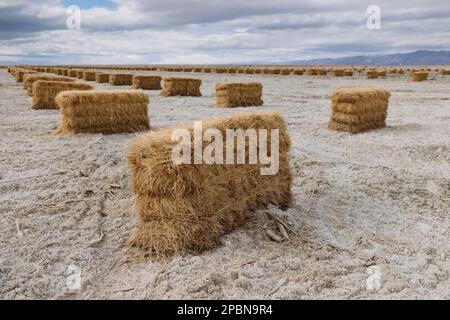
(147, 82)
(89, 75)
(103, 111)
(102, 77)
(190, 206)
(229, 95)
(120, 79)
(45, 92)
(30, 79)
(419, 76)
(359, 109)
(181, 87)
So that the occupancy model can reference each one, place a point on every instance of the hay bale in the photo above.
(359, 109)
(89, 75)
(419, 76)
(65, 72)
(311, 72)
(207, 70)
(298, 72)
(45, 92)
(348, 73)
(147, 82)
(322, 72)
(104, 111)
(120, 79)
(102, 77)
(249, 70)
(372, 74)
(20, 73)
(190, 206)
(30, 79)
(73, 73)
(230, 95)
(80, 74)
(445, 72)
(382, 73)
(181, 87)
(338, 72)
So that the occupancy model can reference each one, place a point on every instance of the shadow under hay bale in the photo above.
(359, 109)
(181, 87)
(105, 112)
(190, 206)
(147, 82)
(120, 79)
(45, 92)
(102, 77)
(30, 79)
(229, 95)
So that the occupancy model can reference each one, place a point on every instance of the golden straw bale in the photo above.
(20, 73)
(358, 109)
(322, 72)
(311, 72)
(30, 79)
(103, 111)
(121, 79)
(181, 87)
(65, 72)
(45, 92)
(229, 95)
(419, 76)
(338, 72)
(147, 82)
(445, 72)
(206, 70)
(89, 75)
(190, 206)
(299, 72)
(285, 71)
(80, 74)
(249, 70)
(102, 77)
(372, 74)
(348, 73)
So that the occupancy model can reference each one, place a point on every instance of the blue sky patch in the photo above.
(86, 4)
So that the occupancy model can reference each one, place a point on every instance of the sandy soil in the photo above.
(374, 201)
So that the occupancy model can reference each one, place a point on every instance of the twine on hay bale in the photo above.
(89, 75)
(120, 79)
(102, 77)
(190, 206)
(419, 76)
(358, 109)
(45, 92)
(30, 79)
(229, 95)
(147, 82)
(105, 111)
(181, 87)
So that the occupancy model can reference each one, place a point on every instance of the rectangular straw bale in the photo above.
(73, 73)
(229, 95)
(359, 109)
(30, 79)
(445, 72)
(372, 74)
(348, 73)
(89, 75)
(102, 77)
(80, 74)
(147, 82)
(299, 72)
(191, 206)
(103, 111)
(20, 73)
(181, 87)
(121, 79)
(338, 72)
(322, 72)
(65, 72)
(45, 92)
(419, 76)
(311, 72)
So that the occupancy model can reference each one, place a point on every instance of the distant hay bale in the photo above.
(189, 207)
(322, 72)
(89, 75)
(266, 70)
(120, 79)
(249, 71)
(206, 70)
(275, 71)
(372, 74)
(30, 79)
(348, 73)
(419, 76)
(198, 69)
(73, 73)
(181, 87)
(359, 109)
(20, 73)
(298, 72)
(59, 71)
(445, 72)
(230, 95)
(105, 111)
(102, 77)
(65, 72)
(311, 72)
(285, 71)
(45, 92)
(147, 82)
(258, 71)
(338, 72)
(80, 74)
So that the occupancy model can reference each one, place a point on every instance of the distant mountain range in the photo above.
(416, 58)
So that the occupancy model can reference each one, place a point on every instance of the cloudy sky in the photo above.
(214, 31)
